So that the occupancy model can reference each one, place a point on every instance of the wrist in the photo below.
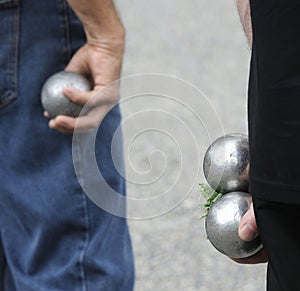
(107, 41)
(105, 32)
(113, 36)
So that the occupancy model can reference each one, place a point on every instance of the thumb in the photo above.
(248, 228)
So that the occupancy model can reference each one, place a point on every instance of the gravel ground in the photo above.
(201, 42)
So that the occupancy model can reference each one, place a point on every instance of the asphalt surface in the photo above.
(201, 42)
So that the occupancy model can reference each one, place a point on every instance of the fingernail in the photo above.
(66, 91)
(247, 233)
(51, 123)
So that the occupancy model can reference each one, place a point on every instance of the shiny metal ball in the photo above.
(53, 100)
(226, 163)
(222, 223)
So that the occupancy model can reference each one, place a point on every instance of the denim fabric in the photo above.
(9, 50)
(52, 237)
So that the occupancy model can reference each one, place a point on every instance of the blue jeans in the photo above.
(52, 237)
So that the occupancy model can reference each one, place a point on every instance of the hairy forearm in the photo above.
(244, 12)
(100, 20)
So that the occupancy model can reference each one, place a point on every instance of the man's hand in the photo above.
(99, 60)
(247, 232)
(102, 66)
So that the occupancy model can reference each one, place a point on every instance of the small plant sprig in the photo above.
(211, 197)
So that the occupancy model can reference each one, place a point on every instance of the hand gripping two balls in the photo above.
(226, 168)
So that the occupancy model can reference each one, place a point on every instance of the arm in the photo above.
(100, 59)
(243, 7)
(100, 21)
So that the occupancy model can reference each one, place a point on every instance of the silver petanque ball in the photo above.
(222, 223)
(226, 163)
(53, 100)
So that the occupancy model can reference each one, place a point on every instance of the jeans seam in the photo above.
(85, 245)
(16, 48)
(83, 276)
(13, 59)
(67, 30)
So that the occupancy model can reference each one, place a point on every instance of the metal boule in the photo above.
(53, 100)
(226, 163)
(222, 223)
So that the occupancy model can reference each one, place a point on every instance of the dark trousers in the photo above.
(274, 136)
(279, 225)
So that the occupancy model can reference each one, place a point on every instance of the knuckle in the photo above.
(94, 124)
(115, 98)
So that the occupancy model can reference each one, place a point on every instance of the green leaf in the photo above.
(211, 197)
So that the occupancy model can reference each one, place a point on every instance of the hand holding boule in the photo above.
(102, 64)
(230, 223)
(222, 223)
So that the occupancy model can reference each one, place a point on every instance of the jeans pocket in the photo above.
(9, 36)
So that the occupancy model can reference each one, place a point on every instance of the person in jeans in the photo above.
(52, 236)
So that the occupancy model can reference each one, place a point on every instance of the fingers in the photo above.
(248, 231)
(85, 123)
(78, 96)
(46, 114)
(258, 258)
(99, 96)
(248, 227)
(100, 104)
